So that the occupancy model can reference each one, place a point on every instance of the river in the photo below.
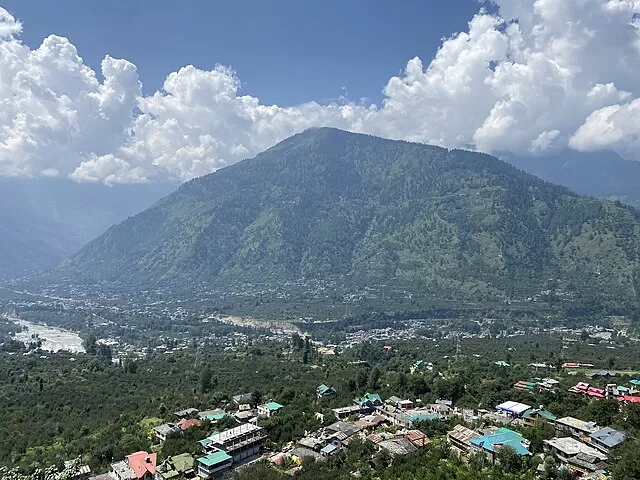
(53, 339)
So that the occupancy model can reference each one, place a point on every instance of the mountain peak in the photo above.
(334, 206)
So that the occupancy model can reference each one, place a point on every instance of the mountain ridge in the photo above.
(327, 203)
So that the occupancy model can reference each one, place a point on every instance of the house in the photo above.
(607, 439)
(441, 409)
(535, 416)
(418, 438)
(187, 413)
(137, 466)
(186, 424)
(577, 456)
(181, 466)
(491, 444)
(525, 386)
(342, 413)
(569, 426)
(245, 415)
(398, 446)
(211, 415)
(393, 400)
(244, 401)
(241, 442)
(269, 409)
(405, 404)
(502, 363)
(324, 391)
(460, 438)
(343, 429)
(368, 402)
(333, 447)
(213, 463)
(513, 409)
(161, 432)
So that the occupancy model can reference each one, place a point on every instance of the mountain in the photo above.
(43, 221)
(598, 174)
(331, 205)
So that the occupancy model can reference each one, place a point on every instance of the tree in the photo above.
(206, 380)
(626, 461)
(374, 378)
(509, 459)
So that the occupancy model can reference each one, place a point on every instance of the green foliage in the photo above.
(327, 204)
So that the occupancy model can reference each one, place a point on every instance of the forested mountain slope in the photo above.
(327, 204)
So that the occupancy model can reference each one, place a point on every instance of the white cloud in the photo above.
(540, 75)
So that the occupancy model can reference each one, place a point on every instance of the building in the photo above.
(460, 438)
(137, 466)
(398, 446)
(607, 439)
(324, 391)
(513, 409)
(186, 424)
(569, 426)
(187, 413)
(213, 463)
(577, 456)
(368, 402)
(241, 442)
(161, 432)
(269, 409)
(342, 413)
(535, 416)
(333, 447)
(491, 444)
(180, 466)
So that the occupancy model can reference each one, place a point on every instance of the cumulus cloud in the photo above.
(534, 76)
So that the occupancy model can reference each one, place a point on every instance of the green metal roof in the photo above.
(215, 417)
(539, 411)
(503, 436)
(273, 406)
(322, 389)
(419, 417)
(214, 458)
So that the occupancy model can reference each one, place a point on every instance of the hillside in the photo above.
(43, 221)
(331, 205)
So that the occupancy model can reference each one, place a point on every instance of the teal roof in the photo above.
(214, 458)
(635, 382)
(215, 417)
(503, 436)
(541, 412)
(422, 417)
(204, 442)
(502, 363)
(272, 406)
(323, 389)
(373, 397)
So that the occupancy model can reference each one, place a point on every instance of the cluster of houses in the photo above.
(220, 451)
(581, 447)
(538, 384)
(621, 393)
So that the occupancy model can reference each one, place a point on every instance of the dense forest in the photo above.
(346, 208)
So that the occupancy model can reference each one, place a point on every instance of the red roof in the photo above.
(142, 462)
(185, 424)
(629, 398)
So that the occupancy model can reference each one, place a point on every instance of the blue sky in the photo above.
(285, 51)
(532, 77)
